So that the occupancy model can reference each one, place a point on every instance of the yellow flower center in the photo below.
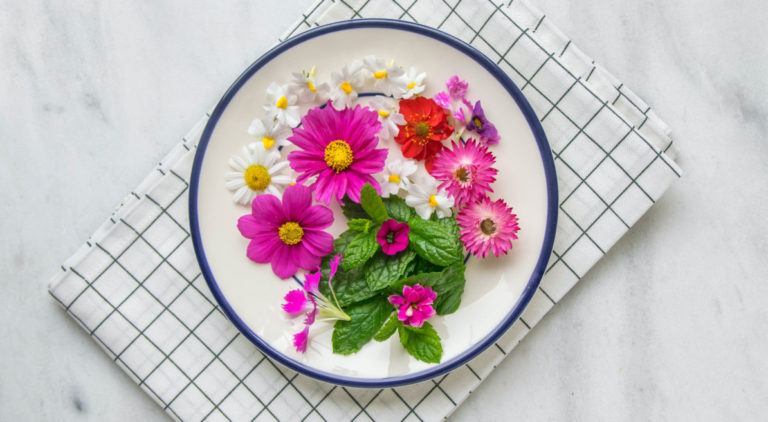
(394, 178)
(432, 201)
(257, 177)
(462, 174)
(488, 227)
(411, 85)
(268, 142)
(383, 113)
(311, 86)
(282, 102)
(478, 122)
(291, 233)
(338, 155)
(380, 74)
(346, 87)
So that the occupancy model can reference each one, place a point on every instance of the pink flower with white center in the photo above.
(486, 226)
(310, 301)
(415, 305)
(393, 236)
(465, 171)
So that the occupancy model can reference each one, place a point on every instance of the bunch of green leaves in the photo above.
(367, 276)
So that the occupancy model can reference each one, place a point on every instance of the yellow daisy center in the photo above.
(488, 227)
(282, 102)
(394, 178)
(380, 74)
(291, 233)
(311, 86)
(346, 87)
(383, 113)
(338, 155)
(432, 201)
(478, 122)
(268, 142)
(257, 177)
(411, 85)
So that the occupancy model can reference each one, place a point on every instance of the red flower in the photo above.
(425, 127)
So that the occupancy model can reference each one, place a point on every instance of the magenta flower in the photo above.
(478, 123)
(393, 236)
(465, 171)
(289, 234)
(309, 301)
(339, 147)
(443, 100)
(415, 305)
(487, 226)
(457, 88)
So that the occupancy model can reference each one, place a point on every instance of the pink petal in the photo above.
(396, 300)
(300, 340)
(311, 281)
(282, 262)
(303, 258)
(316, 217)
(295, 301)
(263, 252)
(250, 227)
(317, 242)
(296, 200)
(266, 209)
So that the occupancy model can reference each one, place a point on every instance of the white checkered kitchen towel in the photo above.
(135, 286)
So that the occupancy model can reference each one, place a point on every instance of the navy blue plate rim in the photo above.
(528, 291)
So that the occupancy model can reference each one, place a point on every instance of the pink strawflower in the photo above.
(393, 236)
(465, 171)
(457, 88)
(289, 234)
(339, 147)
(487, 226)
(415, 305)
(310, 301)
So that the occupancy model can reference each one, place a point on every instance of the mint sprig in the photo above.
(423, 343)
(366, 318)
(434, 242)
(372, 204)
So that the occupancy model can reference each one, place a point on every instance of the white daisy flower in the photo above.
(270, 132)
(283, 105)
(387, 77)
(414, 83)
(344, 85)
(389, 116)
(308, 92)
(396, 176)
(426, 199)
(255, 173)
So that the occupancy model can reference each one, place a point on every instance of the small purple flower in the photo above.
(393, 236)
(443, 100)
(310, 301)
(478, 123)
(457, 88)
(415, 305)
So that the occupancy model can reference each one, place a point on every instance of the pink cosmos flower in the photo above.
(339, 147)
(487, 226)
(309, 301)
(415, 305)
(289, 234)
(465, 171)
(393, 236)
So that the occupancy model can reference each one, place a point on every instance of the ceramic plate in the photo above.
(497, 289)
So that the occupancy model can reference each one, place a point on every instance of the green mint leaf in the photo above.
(360, 224)
(434, 242)
(449, 288)
(340, 243)
(398, 209)
(372, 204)
(366, 320)
(388, 328)
(448, 284)
(350, 286)
(383, 270)
(450, 224)
(352, 209)
(422, 343)
(421, 266)
(360, 249)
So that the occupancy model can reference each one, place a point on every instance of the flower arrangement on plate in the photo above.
(413, 176)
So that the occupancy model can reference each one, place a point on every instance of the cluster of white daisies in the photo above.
(260, 166)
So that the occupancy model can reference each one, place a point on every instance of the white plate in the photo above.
(497, 289)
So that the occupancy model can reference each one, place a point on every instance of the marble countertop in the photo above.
(671, 324)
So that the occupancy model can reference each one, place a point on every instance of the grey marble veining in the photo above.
(669, 325)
